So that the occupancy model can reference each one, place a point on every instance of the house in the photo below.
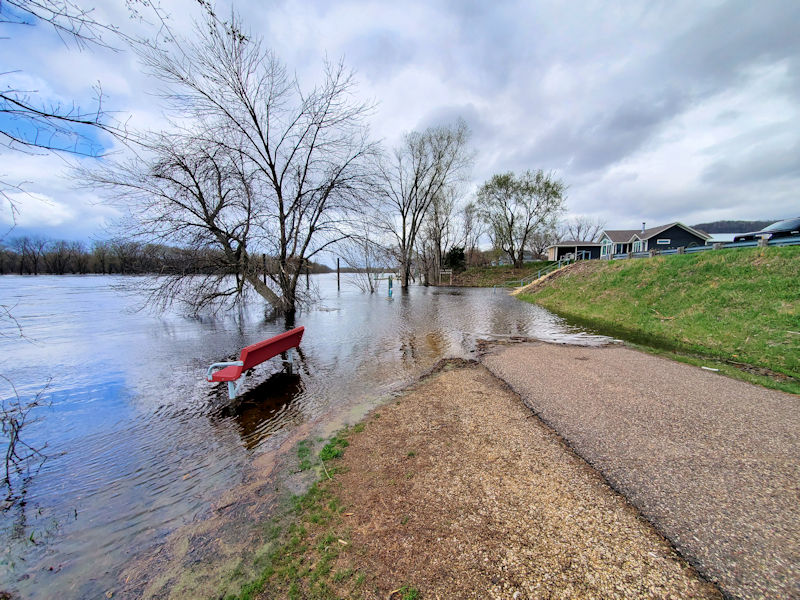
(663, 237)
(573, 249)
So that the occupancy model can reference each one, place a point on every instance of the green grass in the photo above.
(409, 593)
(491, 276)
(308, 557)
(334, 448)
(304, 455)
(730, 306)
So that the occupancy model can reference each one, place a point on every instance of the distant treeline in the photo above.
(38, 255)
(732, 226)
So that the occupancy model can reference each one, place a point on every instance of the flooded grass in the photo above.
(311, 555)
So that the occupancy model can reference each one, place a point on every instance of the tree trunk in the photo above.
(265, 292)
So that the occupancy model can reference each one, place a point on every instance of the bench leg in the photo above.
(290, 361)
(235, 386)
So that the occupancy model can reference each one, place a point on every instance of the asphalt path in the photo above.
(712, 462)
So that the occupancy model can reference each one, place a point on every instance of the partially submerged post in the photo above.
(338, 271)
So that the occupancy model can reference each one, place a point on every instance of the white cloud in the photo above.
(36, 210)
(657, 112)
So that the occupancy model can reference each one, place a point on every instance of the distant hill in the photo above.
(732, 226)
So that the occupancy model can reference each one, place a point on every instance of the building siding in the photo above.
(677, 237)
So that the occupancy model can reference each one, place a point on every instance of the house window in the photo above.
(605, 249)
(663, 242)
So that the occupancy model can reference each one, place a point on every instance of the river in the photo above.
(139, 443)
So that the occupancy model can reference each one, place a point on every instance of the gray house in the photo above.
(579, 250)
(663, 237)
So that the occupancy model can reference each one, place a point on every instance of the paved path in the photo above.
(713, 462)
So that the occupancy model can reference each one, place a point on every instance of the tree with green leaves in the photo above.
(516, 207)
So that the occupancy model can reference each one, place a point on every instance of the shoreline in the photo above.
(252, 521)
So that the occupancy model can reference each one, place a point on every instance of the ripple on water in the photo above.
(141, 443)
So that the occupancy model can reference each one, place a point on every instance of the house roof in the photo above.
(620, 236)
(623, 236)
(573, 243)
(654, 231)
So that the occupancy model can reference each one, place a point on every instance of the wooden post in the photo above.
(264, 261)
(338, 283)
(682, 250)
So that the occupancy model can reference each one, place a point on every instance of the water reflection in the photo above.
(265, 409)
(145, 444)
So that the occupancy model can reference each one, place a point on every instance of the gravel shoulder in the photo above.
(713, 462)
(457, 490)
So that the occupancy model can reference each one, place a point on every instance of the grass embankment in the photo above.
(491, 276)
(311, 555)
(740, 308)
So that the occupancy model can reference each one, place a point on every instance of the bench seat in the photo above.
(231, 373)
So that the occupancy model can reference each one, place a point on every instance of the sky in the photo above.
(649, 111)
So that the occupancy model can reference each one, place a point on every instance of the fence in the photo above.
(787, 241)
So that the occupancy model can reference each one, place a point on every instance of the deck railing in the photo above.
(531, 278)
(786, 241)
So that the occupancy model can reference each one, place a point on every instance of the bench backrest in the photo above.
(258, 353)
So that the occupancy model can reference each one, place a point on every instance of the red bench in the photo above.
(234, 372)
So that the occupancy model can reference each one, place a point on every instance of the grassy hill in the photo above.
(739, 308)
(490, 276)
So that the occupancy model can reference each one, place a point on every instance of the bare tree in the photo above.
(100, 256)
(21, 459)
(541, 239)
(367, 258)
(57, 257)
(79, 258)
(472, 229)
(582, 229)
(514, 208)
(438, 233)
(420, 170)
(33, 124)
(263, 168)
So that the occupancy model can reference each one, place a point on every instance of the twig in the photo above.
(322, 462)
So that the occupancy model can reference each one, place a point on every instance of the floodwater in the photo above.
(139, 443)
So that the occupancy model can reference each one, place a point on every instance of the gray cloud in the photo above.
(656, 111)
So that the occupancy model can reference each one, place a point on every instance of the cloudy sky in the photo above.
(650, 111)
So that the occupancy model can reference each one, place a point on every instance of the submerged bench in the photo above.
(234, 372)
